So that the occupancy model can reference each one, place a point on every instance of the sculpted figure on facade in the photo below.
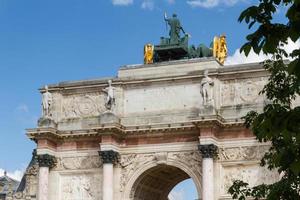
(46, 103)
(110, 96)
(81, 187)
(206, 90)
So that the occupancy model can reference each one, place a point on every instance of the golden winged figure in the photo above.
(220, 48)
(148, 53)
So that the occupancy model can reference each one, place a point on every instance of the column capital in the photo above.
(208, 150)
(46, 160)
(109, 156)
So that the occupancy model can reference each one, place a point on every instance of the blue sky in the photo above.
(43, 42)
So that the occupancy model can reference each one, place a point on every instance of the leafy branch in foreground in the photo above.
(279, 123)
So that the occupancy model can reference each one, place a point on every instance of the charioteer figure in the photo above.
(175, 28)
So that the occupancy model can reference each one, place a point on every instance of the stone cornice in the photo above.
(220, 72)
(124, 131)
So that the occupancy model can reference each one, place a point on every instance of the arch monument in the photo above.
(135, 136)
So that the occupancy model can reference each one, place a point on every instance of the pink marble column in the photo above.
(109, 158)
(46, 162)
(208, 152)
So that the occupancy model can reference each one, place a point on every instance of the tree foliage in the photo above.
(279, 123)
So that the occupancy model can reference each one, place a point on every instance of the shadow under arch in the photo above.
(153, 181)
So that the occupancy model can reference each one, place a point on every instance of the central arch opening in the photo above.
(157, 182)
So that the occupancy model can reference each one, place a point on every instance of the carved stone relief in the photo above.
(250, 91)
(83, 106)
(192, 159)
(252, 174)
(242, 153)
(84, 162)
(131, 162)
(81, 187)
(245, 91)
(228, 94)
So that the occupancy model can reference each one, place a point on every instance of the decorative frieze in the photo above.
(82, 162)
(208, 150)
(109, 156)
(242, 153)
(46, 160)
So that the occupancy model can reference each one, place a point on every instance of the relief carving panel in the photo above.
(83, 162)
(242, 153)
(83, 106)
(81, 187)
(234, 92)
(252, 174)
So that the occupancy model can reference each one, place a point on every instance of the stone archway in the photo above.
(156, 178)
(157, 182)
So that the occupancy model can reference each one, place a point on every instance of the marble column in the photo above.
(208, 151)
(109, 158)
(46, 162)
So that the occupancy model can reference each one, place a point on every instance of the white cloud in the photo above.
(240, 58)
(148, 4)
(17, 174)
(176, 195)
(212, 3)
(203, 3)
(122, 2)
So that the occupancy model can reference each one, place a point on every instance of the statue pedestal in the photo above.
(207, 110)
(46, 122)
(108, 118)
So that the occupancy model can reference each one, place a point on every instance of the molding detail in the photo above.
(46, 160)
(208, 150)
(109, 156)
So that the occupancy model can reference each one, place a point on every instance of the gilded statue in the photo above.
(220, 48)
(148, 53)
